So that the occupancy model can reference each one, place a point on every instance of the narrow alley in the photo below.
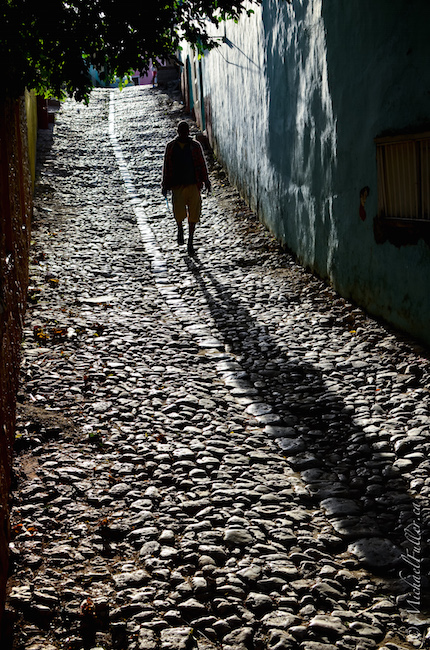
(212, 452)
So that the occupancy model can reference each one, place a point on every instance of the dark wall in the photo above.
(15, 219)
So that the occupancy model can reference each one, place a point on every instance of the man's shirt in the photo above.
(191, 155)
(182, 164)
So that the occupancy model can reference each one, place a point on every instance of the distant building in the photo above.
(158, 72)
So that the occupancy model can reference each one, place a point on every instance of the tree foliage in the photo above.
(49, 45)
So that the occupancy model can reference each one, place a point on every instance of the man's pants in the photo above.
(183, 197)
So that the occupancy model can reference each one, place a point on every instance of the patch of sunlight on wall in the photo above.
(314, 150)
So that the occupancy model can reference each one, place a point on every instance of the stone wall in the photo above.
(15, 218)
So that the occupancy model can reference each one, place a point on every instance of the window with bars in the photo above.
(404, 177)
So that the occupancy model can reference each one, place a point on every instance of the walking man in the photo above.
(185, 173)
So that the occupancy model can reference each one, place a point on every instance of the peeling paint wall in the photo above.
(15, 218)
(293, 100)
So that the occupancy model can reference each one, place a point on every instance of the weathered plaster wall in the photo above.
(15, 216)
(296, 97)
(379, 80)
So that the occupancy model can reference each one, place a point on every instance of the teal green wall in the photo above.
(379, 77)
(296, 97)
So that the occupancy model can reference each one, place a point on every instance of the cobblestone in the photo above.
(212, 452)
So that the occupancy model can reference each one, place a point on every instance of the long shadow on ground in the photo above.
(366, 499)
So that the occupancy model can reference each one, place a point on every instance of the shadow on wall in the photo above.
(338, 78)
(302, 145)
(253, 66)
(378, 73)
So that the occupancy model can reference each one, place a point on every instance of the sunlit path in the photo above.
(213, 452)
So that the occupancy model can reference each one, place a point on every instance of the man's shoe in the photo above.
(190, 248)
(180, 236)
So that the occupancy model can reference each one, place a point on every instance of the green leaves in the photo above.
(50, 45)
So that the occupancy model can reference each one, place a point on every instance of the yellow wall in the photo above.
(31, 110)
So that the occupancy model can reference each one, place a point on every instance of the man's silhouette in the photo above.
(185, 173)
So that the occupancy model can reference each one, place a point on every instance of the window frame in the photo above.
(395, 224)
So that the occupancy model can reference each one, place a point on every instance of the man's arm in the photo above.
(167, 169)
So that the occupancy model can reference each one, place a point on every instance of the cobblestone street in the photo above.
(212, 452)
